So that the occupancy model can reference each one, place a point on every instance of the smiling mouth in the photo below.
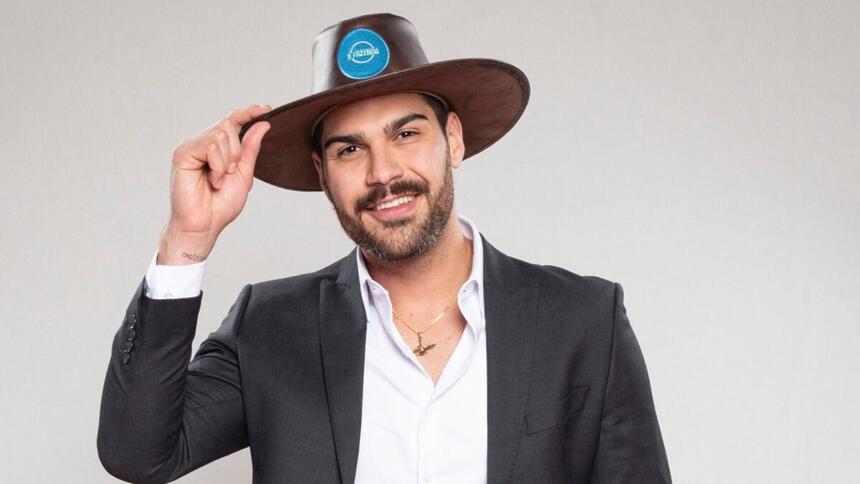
(392, 202)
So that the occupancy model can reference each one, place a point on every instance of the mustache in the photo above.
(397, 188)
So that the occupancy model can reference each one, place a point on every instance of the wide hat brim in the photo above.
(488, 95)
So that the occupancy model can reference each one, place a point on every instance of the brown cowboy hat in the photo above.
(380, 54)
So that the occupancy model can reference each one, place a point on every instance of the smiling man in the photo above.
(424, 355)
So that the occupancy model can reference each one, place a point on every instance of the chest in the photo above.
(414, 427)
(433, 347)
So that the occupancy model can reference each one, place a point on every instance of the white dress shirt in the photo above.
(412, 431)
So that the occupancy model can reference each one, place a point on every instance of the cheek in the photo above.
(343, 192)
(427, 160)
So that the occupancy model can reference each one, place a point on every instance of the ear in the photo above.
(456, 146)
(318, 165)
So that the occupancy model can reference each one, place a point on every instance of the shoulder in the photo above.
(572, 307)
(554, 282)
(300, 287)
(561, 280)
(591, 297)
(563, 290)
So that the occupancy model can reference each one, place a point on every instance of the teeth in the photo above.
(394, 203)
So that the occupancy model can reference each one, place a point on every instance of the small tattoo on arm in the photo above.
(193, 257)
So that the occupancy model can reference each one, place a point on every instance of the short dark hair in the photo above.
(439, 109)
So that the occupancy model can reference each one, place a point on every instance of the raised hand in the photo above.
(209, 184)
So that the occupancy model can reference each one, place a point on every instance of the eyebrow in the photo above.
(359, 137)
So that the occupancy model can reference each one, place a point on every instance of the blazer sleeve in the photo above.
(630, 447)
(162, 417)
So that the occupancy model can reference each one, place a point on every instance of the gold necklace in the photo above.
(421, 349)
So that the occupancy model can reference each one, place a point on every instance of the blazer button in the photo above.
(128, 347)
(125, 357)
(131, 334)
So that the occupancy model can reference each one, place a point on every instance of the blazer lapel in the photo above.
(343, 330)
(510, 300)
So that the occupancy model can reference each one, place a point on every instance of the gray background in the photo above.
(703, 154)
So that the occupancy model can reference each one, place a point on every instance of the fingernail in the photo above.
(232, 168)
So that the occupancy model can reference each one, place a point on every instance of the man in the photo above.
(425, 355)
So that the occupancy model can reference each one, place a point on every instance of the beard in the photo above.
(405, 238)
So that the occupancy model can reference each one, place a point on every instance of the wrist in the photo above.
(183, 248)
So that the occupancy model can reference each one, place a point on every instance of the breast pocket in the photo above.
(557, 412)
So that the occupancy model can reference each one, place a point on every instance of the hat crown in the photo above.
(362, 48)
(375, 55)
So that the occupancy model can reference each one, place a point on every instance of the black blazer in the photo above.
(568, 396)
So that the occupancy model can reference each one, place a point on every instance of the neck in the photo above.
(436, 274)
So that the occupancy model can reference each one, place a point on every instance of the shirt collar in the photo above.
(476, 276)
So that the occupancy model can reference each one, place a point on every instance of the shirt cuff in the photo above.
(173, 282)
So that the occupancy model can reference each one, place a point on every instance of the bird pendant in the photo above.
(421, 349)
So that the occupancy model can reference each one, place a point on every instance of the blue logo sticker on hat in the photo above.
(362, 53)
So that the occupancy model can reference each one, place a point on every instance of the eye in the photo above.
(407, 134)
(347, 150)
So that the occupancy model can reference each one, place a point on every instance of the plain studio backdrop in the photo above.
(702, 154)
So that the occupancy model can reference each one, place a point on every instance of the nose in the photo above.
(383, 168)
